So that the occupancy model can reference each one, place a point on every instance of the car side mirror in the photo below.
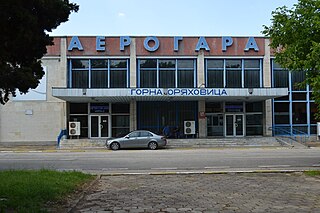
(127, 137)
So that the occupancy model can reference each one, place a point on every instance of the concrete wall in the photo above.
(40, 121)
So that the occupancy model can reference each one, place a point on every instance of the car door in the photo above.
(144, 139)
(131, 140)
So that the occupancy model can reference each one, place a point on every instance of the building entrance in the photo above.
(234, 125)
(99, 126)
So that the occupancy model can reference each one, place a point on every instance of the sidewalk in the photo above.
(268, 192)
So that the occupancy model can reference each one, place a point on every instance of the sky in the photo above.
(170, 17)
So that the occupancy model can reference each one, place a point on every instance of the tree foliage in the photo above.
(23, 40)
(295, 35)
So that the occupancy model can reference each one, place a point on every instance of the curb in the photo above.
(205, 172)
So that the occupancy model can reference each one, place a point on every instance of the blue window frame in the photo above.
(297, 109)
(233, 73)
(98, 73)
(166, 73)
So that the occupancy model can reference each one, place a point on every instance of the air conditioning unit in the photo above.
(74, 128)
(189, 127)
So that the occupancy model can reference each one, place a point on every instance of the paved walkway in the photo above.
(253, 192)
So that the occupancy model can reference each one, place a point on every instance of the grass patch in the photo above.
(312, 173)
(28, 191)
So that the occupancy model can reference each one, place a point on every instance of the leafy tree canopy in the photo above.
(295, 35)
(23, 40)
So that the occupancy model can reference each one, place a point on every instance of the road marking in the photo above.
(107, 169)
(172, 168)
(316, 165)
(217, 167)
(273, 166)
(6, 151)
(34, 151)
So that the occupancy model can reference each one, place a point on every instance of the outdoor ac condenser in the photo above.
(189, 127)
(74, 128)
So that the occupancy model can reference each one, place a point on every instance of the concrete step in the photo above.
(175, 143)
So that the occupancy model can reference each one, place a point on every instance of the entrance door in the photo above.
(234, 125)
(99, 126)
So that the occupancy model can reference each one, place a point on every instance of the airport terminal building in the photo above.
(98, 87)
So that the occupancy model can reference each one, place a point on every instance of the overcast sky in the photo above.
(170, 17)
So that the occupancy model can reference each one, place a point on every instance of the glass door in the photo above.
(234, 125)
(99, 126)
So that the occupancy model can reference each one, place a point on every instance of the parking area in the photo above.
(233, 192)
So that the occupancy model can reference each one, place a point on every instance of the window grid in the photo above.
(299, 111)
(79, 79)
(181, 74)
(233, 77)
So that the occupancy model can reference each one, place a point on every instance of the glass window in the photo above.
(78, 108)
(299, 113)
(215, 73)
(99, 78)
(254, 107)
(213, 107)
(186, 73)
(148, 78)
(215, 63)
(283, 98)
(118, 63)
(134, 134)
(252, 63)
(313, 111)
(120, 125)
(167, 73)
(233, 74)
(252, 73)
(167, 64)
(296, 79)
(233, 64)
(185, 78)
(80, 78)
(281, 113)
(145, 134)
(299, 96)
(149, 63)
(254, 124)
(80, 64)
(120, 108)
(97, 75)
(99, 63)
(281, 78)
(172, 73)
(186, 64)
(118, 73)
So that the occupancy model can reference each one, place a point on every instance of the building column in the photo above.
(133, 115)
(133, 64)
(200, 69)
(133, 84)
(267, 109)
(202, 121)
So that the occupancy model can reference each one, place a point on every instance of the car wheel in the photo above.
(115, 146)
(153, 145)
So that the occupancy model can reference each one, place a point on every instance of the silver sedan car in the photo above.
(137, 139)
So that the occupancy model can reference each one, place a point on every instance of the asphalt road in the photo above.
(126, 161)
